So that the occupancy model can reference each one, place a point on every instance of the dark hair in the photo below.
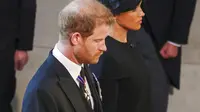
(119, 6)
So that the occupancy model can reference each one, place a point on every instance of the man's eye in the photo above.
(98, 40)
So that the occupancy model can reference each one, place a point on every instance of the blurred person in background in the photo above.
(165, 29)
(17, 21)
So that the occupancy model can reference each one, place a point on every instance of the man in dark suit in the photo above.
(168, 22)
(17, 21)
(165, 28)
(64, 83)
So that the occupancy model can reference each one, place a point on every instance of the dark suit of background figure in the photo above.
(123, 78)
(52, 89)
(17, 19)
(169, 20)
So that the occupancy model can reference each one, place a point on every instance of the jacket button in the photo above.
(132, 45)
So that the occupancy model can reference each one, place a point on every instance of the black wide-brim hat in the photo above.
(119, 6)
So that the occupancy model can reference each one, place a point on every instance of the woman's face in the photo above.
(131, 19)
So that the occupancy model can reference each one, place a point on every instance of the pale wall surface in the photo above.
(46, 35)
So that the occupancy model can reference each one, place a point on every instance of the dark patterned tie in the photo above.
(82, 84)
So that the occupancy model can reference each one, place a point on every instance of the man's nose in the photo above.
(103, 47)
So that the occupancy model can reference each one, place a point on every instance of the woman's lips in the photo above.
(140, 21)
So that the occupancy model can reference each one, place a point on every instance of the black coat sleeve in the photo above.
(27, 12)
(181, 21)
(39, 101)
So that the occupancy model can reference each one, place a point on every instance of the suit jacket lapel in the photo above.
(74, 94)
(69, 87)
(92, 85)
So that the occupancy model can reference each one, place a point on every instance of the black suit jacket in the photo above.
(52, 89)
(169, 20)
(17, 20)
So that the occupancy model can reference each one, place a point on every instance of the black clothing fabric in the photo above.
(124, 78)
(169, 20)
(17, 21)
(159, 80)
(52, 89)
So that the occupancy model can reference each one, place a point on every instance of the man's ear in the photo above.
(76, 38)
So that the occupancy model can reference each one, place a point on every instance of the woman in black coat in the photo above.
(123, 76)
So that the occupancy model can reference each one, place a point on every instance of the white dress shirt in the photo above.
(175, 44)
(72, 68)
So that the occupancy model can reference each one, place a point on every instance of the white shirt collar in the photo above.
(73, 68)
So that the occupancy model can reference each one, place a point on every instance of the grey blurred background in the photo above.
(46, 35)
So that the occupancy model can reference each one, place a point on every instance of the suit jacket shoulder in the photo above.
(52, 89)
